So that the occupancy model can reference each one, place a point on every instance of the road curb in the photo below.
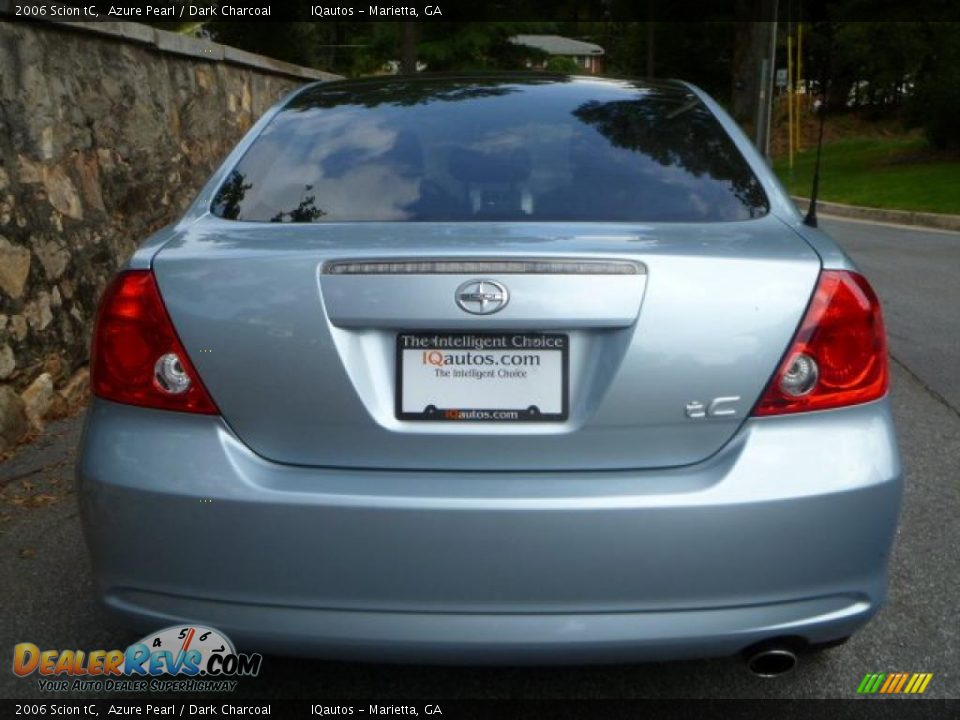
(940, 221)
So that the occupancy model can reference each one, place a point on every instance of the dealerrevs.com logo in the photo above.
(186, 658)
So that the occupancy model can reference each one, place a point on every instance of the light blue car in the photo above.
(493, 369)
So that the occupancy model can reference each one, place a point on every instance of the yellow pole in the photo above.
(799, 77)
(790, 93)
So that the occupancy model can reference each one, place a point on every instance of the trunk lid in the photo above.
(301, 357)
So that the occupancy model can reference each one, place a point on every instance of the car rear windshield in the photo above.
(532, 149)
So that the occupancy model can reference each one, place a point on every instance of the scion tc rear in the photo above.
(493, 369)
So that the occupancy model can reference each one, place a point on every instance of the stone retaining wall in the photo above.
(106, 133)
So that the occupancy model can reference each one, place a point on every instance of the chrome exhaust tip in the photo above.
(771, 662)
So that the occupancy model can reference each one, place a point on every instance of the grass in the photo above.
(896, 173)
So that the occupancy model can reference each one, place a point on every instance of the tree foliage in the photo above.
(910, 68)
(936, 96)
(361, 48)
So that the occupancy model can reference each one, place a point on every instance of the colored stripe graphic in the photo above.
(890, 683)
(871, 683)
(922, 684)
(894, 683)
(901, 683)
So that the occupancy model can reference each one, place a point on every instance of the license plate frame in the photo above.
(496, 344)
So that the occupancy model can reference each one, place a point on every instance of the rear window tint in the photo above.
(532, 149)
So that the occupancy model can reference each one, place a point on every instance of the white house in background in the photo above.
(584, 54)
(392, 67)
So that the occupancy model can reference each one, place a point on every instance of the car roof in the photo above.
(545, 78)
(423, 87)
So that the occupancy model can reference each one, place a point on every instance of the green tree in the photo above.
(474, 45)
(294, 42)
(563, 65)
(936, 97)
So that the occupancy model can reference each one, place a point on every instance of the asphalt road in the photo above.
(917, 275)
(47, 595)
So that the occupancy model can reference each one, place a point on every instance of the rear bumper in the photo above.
(785, 532)
(477, 638)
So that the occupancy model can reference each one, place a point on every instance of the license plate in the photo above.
(482, 377)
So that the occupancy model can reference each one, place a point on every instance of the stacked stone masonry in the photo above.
(103, 140)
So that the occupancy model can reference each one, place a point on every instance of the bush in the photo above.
(563, 66)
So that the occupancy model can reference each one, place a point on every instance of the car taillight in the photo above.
(838, 356)
(137, 357)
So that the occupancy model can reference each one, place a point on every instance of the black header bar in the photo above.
(439, 709)
(678, 11)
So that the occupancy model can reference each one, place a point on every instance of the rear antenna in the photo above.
(811, 216)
